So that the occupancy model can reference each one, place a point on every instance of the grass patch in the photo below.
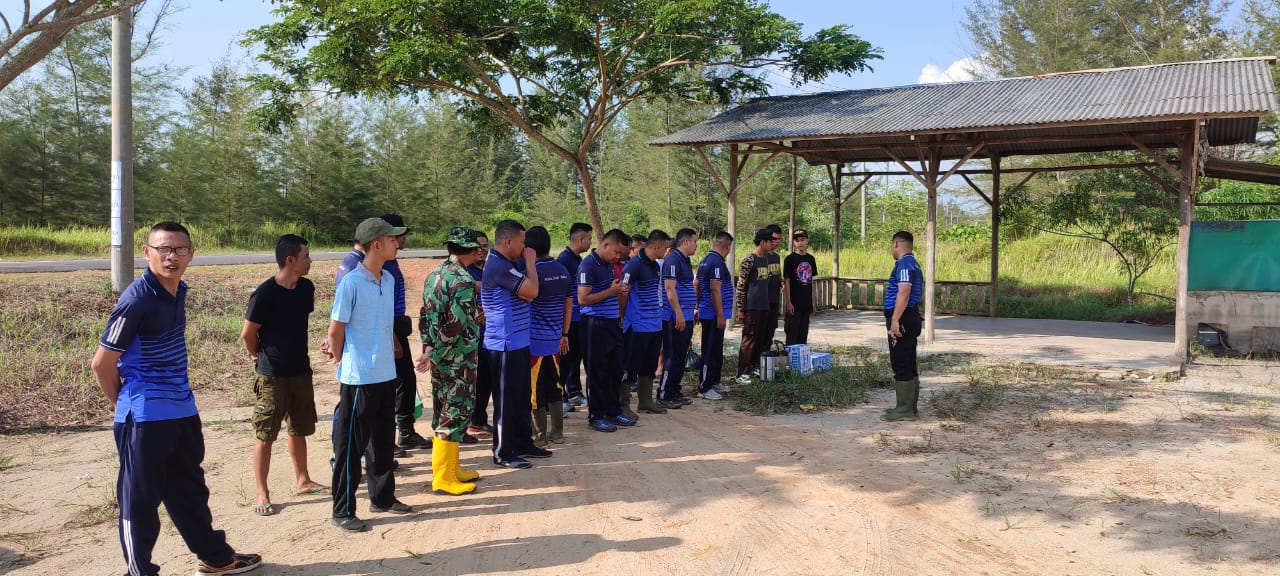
(50, 326)
(6, 462)
(844, 385)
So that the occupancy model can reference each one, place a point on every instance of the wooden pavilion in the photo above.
(938, 131)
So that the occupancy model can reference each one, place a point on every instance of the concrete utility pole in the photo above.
(121, 150)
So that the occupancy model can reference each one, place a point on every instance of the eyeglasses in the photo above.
(182, 251)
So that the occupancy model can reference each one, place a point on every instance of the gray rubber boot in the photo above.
(915, 396)
(555, 428)
(540, 427)
(902, 411)
(648, 403)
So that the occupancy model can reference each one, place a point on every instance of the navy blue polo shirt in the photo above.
(598, 274)
(905, 270)
(644, 302)
(547, 322)
(571, 261)
(148, 327)
(349, 262)
(713, 267)
(476, 272)
(676, 267)
(506, 315)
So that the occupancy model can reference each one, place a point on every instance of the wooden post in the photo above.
(1190, 152)
(995, 233)
(862, 199)
(792, 220)
(735, 172)
(835, 219)
(931, 238)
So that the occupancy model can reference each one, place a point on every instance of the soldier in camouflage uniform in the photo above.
(450, 343)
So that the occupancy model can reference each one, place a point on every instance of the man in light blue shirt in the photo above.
(362, 342)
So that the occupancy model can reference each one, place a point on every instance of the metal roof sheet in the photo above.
(1238, 88)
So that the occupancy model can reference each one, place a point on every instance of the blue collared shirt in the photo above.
(713, 267)
(571, 261)
(598, 274)
(506, 315)
(676, 267)
(644, 302)
(905, 271)
(366, 305)
(547, 322)
(148, 328)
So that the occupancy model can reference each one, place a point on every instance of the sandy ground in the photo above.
(1082, 477)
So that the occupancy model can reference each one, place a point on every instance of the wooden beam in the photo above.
(995, 233)
(1170, 188)
(959, 162)
(731, 215)
(791, 219)
(1156, 157)
(931, 241)
(1034, 170)
(975, 187)
(714, 174)
(855, 190)
(836, 205)
(904, 164)
(990, 138)
(755, 172)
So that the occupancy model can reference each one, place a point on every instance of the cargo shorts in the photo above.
(279, 398)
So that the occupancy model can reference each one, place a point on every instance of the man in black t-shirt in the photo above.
(275, 335)
(799, 269)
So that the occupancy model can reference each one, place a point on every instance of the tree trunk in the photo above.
(589, 194)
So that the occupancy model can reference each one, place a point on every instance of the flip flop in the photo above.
(317, 489)
(264, 509)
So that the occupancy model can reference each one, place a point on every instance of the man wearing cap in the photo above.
(450, 347)
(754, 306)
(362, 342)
(407, 389)
(798, 270)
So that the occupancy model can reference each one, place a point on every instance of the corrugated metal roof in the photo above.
(1221, 88)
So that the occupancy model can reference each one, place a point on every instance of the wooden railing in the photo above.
(967, 298)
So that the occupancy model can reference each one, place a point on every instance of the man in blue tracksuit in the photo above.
(903, 321)
(599, 291)
(571, 361)
(141, 366)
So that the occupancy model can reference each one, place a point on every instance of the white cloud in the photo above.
(959, 71)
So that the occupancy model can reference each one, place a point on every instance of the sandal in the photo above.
(317, 489)
(264, 509)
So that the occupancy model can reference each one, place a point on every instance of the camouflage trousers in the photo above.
(453, 390)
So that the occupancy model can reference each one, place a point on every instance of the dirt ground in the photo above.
(1085, 476)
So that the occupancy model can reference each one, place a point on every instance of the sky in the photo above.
(922, 40)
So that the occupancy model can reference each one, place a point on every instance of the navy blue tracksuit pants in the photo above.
(160, 464)
(510, 373)
(604, 360)
(676, 359)
(712, 355)
(364, 424)
(571, 362)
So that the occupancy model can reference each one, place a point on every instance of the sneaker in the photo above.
(414, 440)
(513, 462)
(685, 400)
(469, 439)
(534, 452)
(602, 426)
(347, 523)
(623, 420)
(710, 395)
(396, 507)
(476, 430)
(743, 379)
(240, 563)
(671, 404)
(568, 406)
(579, 400)
(399, 452)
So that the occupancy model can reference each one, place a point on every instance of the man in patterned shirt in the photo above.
(450, 347)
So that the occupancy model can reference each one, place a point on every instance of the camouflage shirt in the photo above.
(448, 320)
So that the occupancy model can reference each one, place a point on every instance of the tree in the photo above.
(1024, 37)
(539, 67)
(1123, 209)
(39, 32)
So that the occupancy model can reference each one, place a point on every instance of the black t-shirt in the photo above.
(799, 270)
(762, 275)
(283, 314)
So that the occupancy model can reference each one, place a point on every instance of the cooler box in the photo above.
(798, 359)
(821, 361)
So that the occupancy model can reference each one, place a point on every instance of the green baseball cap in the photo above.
(374, 228)
(463, 237)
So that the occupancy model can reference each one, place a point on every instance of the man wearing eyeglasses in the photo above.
(141, 366)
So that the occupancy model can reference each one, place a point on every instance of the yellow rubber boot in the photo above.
(460, 473)
(444, 460)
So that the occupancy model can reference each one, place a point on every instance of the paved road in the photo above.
(200, 260)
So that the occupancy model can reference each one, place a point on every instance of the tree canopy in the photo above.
(29, 38)
(559, 72)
